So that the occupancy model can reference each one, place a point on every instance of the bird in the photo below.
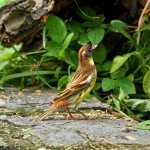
(79, 85)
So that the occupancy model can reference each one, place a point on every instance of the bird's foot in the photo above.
(69, 116)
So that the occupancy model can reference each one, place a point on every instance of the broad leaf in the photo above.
(121, 27)
(96, 35)
(83, 39)
(107, 66)
(76, 28)
(126, 84)
(119, 61)
(53, 49)
(97, 86)
(56, 29)
(107, 84)
(146, 83)
(100, 54)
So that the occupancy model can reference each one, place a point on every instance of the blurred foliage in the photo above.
(123, 81)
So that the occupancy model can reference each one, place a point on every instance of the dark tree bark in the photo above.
(21, 21)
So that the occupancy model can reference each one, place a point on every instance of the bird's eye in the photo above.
(90, 50)
(90, 47)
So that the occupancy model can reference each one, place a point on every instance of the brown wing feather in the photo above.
(75, 85)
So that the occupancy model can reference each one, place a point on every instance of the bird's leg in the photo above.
(69, 115)
(77, 109)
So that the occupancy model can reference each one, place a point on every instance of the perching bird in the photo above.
(79, 86)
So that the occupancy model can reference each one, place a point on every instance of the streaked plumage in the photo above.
(80, 84)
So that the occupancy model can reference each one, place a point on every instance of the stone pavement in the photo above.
(17, 118)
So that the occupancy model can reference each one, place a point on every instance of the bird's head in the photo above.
(86, 53)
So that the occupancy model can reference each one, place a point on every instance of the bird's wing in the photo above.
(76, 86)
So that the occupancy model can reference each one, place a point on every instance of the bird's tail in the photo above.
(51, 109)
(56, 104)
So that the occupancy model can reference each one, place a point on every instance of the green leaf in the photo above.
(67, 41)
(107, 66)
(83, 39)
(141, 105)
(53, 49)
(3, 64)
(119, 73)
(97, 86)
(146, 83)
(118, 61)
(56, 29)
(145, 125)
(76, 28)
(62, 81)
(116, 102)
(65, 45)
(100, 54)
(73, 57)
(107, 84)
(121, 27)
(126, 84)
(96, 35)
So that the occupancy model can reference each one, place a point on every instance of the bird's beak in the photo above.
(94, 46)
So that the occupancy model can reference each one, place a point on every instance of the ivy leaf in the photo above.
(107, 84)
(126, 84)
(146, 83)
(145, 125)
(62, 81)
(96, 35)
(119, 61)
(100, 54)
(56, 29)
(121, 27)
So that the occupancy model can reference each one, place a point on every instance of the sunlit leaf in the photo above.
(118, 61)
(56, 28)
